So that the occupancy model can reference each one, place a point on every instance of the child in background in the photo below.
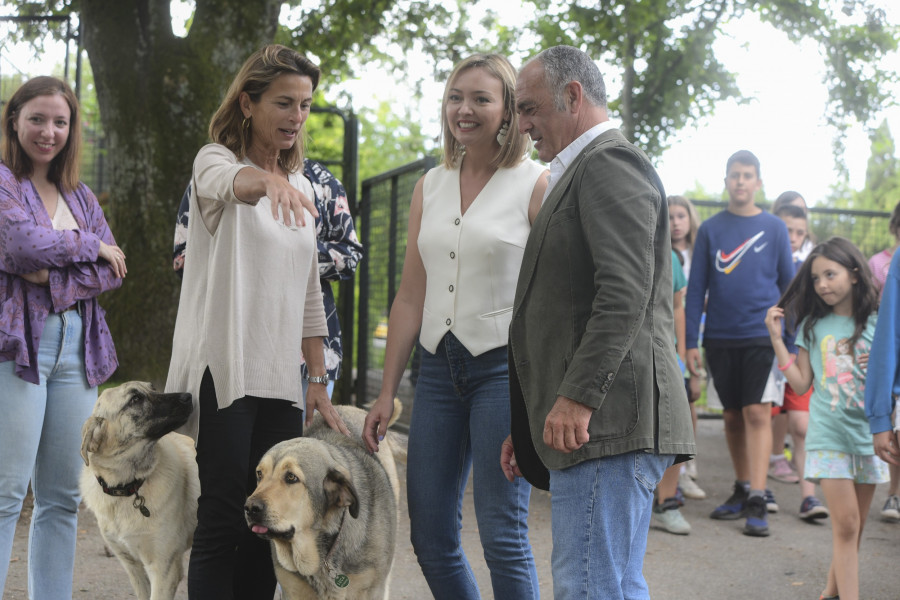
(834, 300)
(880, 263)
(780, 468)
(665, 508)
(795, 408)
(742, 258)
(683, 225)
(792, 198)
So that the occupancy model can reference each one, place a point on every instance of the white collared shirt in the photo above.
(562, 160)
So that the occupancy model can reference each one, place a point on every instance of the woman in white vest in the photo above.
(249, 295)
(468, 223)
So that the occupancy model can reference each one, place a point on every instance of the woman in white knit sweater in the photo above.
(250, 299)
(468, 223)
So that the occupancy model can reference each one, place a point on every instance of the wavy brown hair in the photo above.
(64, 169)
(256, 75)
(800, 300)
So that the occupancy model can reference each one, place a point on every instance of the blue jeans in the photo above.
(40, 441)
(601, 515)
(459, 420)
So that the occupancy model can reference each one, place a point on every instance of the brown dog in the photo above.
(141, 483)
(329, 509)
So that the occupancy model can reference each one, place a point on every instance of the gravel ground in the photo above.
(714, 562)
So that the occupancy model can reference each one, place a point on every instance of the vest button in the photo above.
(451, 288)
(453, 255)
(448, 321)
(456, 222)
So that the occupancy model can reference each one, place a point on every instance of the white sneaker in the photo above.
(891, 510)
(689, 487)
(671, 520)
(690, 467)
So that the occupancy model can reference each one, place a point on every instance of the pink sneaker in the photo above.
(781, 470)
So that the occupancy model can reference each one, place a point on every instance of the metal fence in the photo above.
(383, 216)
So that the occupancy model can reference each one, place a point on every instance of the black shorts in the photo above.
(740, 374)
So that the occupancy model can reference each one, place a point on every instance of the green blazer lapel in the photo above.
(542, 221)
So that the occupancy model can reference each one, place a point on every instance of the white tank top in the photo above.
(472, 261)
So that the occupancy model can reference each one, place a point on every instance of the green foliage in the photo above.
(880, 194)
(159, 90)
(672, 78)
(387, 139)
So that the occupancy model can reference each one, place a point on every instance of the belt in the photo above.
(75, 307)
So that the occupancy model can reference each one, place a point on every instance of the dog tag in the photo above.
(342, 581)
(144, 510)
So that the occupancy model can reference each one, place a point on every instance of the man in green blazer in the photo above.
(598, 403)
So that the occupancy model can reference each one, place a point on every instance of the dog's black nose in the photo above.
(253, 508)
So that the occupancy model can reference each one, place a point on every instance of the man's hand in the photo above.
(886, 447)
(566, 427)
(508, 460)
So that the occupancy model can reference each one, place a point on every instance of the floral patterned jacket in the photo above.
(339, 249)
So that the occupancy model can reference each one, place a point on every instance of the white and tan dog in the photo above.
(329, 509)
(140, 481)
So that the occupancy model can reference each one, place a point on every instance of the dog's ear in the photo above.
(339, 491)
(93, 433)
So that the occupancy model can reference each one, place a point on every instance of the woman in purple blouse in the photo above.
(57, 255)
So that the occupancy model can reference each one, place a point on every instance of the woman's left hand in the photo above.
(863, 360)
(317, 399)
(115, 257)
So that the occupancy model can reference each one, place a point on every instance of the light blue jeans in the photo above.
(40, 441)
(460, 418)
(601, 515)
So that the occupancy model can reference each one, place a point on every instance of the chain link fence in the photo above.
(383, 217)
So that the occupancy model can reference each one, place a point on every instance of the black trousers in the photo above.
(228, 561)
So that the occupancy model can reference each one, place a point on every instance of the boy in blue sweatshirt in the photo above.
(742, 260)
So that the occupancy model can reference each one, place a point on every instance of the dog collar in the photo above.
(128, 489)
(340, 579)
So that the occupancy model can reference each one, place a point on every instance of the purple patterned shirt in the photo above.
(28, 243)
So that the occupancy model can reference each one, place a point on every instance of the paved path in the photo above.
(714, 562)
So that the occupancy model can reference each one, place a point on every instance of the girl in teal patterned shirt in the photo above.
(834, 300)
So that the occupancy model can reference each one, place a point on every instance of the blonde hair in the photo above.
(64, 169)
(691, 237)
(516, 145)
(256, 75)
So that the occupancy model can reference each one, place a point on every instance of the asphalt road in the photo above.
(715, 561)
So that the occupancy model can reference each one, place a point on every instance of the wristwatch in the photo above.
(323, 379)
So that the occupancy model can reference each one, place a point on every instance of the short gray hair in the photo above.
(563, 64)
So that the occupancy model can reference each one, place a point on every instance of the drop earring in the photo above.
(503, 133)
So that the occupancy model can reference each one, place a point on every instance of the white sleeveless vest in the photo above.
(472, 262)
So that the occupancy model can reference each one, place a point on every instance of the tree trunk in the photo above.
(157, 93)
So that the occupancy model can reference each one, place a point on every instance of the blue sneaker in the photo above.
(756, 524)
(734, 507)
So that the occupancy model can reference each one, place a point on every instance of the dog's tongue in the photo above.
(259, 529)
